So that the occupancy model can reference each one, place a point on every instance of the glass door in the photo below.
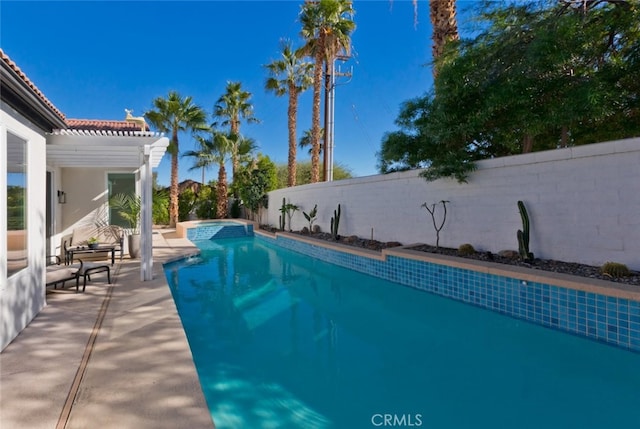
(120, 183)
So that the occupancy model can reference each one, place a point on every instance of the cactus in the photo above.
(615, 270)
(289, 210)
(335, 224)
(466, 250)
(523, 234)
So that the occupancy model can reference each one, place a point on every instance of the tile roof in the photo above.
(13, 66)
(103, 125)
(73, 124)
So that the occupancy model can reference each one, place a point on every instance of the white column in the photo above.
(146, 221)
(3, 211)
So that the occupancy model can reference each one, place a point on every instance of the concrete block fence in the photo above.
(583, 203)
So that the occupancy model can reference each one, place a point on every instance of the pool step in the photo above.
(217, 232)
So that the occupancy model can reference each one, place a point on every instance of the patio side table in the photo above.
(83, 250)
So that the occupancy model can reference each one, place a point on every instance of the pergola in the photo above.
(141, 150)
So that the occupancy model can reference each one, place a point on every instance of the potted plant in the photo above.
(92, 242)
(128, 206)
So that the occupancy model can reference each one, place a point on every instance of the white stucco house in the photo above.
(55, 175)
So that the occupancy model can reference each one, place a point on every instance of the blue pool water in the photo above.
(284, 341)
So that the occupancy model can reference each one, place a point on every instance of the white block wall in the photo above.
(22, 295)
(583, 203)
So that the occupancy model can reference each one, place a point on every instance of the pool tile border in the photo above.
(220, 231)
(591, 308)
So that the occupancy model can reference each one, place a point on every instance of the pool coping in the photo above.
(579, 283)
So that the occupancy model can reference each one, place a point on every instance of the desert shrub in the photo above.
(206, 203)
(160, 207)
(466, 250)
(615, 269)
(235, 211)
(186, 203)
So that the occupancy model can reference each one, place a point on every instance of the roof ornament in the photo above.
(135, 119)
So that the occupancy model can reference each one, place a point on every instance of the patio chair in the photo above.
(107, 235)
(111, 235)
(60, 274)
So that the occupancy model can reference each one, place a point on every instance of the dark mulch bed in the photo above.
(572, 268)
(538, 264)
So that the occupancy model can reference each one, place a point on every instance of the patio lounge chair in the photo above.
(60, 274)
(88, 268)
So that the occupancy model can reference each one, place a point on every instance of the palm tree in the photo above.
(173, 115)
(245, 148)
(230, 108)
(215, 150)
(203, 157)
(326, 27)
(305, 141)
(290, 75)
(445, 26)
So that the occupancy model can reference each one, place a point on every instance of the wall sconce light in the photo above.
(62, 197)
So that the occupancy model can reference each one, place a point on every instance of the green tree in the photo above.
(539, 76)
(303, 172)
(206, 203)
(16, 203)
(246, 148)
(254, 181)
(186, 203)
(216, 149)
(173, 115)
(326, 27)
(160, 206)
(290, 75)
(230, 109)
(264, 163)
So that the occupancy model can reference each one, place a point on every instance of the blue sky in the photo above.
(94, 59)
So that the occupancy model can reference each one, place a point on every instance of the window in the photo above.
(17, 250)
(120, 183)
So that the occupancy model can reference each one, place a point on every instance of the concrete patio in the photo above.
(115, 356)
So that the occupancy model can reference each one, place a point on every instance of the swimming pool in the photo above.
(281, 340)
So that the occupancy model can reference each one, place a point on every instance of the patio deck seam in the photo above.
(77, 379)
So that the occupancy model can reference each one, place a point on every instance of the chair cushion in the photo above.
(82, 234)
(58, 273)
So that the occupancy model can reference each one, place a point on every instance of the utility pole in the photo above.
(329, 112)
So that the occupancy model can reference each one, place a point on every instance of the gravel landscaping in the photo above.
(538, 264)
